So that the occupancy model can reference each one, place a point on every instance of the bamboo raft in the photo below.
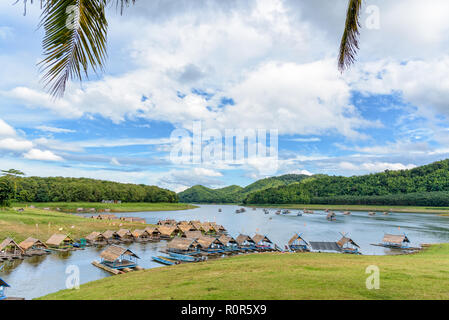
(115, 271)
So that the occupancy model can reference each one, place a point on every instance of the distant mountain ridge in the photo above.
(234, 193)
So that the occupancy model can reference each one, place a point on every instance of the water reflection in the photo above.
(40, 275)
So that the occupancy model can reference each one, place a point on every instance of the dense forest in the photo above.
(37, 189)
(425, 185)
(235, 194)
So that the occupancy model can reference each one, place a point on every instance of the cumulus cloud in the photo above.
(36, 154)
(374, 166)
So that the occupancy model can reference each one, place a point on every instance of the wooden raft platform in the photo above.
(115, 271)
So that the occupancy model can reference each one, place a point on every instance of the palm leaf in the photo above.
(350, 41)
(70, 51)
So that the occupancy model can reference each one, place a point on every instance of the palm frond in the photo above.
(75, 37)
(350, 41)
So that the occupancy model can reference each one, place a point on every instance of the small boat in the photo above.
(181, 257)
(278, 212)
(285, 211)
(372, 213)
(165, 260)
(347, 213)
(386, 213)
(266, 211)
(299, 214)
(237, 211)
(219, 210)
(254, 209)
(331, 216)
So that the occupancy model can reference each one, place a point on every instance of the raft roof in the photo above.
(193, 234)
(226, 239)
(296, 237)
(152, 230)
(29, 242)
(109, 234)
(124, 232)
(57, 239)
(3, 284)
(242, 238)
(186, 227)
(184, 244)
(112, 253)
(206, 241)
(167, 230)
(327, 246)
(395, 238)
(260, 238)
(344, 240)
(9, 242)
(140, 232)
(94, 236)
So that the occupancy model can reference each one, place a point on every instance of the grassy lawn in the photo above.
(410, 209)
(281, 276)
(122, 207)
(41, 224)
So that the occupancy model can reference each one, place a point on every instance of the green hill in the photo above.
(235, 194)
(427, 185)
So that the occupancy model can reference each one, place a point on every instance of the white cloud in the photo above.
(374, 166)
(36, 154)
(54, 130)
(6, 130)
(13, 144)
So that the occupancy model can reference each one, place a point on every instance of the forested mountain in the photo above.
(425, 185)
(37, 189)
(234, 194)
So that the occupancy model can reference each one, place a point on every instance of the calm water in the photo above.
(37, 276)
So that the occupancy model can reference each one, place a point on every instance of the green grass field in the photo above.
(281, 276)
(41, 224)
(123, 207)
(410, 209)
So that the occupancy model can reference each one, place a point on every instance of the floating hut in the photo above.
(168, 231)
(218, 228)
(111, 236)
(141, 235)
(262, 242)
(297, 243)
(210, 244)
(125, 235)
(400, 241)
(166, 222)
(197, 225)
(183, 245)
(347, 245)
(186, 228)
(229, 243)
(33, 247)
(245, 242)
(331, 216)
(10, 249)
(192, 234)
(60, 241)
(107, 217)
(154, 233)
(3, 286)
(207, 228)
(118, 258)
(96, 238)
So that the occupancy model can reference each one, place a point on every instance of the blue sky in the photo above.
(246, 64)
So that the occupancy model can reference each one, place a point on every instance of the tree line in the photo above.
(60, 189)
(425, 185)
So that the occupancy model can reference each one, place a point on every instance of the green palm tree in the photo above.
(76, 35)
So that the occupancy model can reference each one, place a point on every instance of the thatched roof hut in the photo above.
(96, 237)
(197, 225)
(10, 246)
(192, 234)
(227, 240)
(141, 234)
(186, 228)
(396, 240)
(153, 232)
(168, 230)
(218, 227)
(166, 222)
(260, 239)
(345, 241)
(114, 253)
(297, 239)
(125, 234)
(31, 243)
(183, 244)
(208, 242)
(109, 234)
(243, 239)
(207, 227)
(58, 240)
